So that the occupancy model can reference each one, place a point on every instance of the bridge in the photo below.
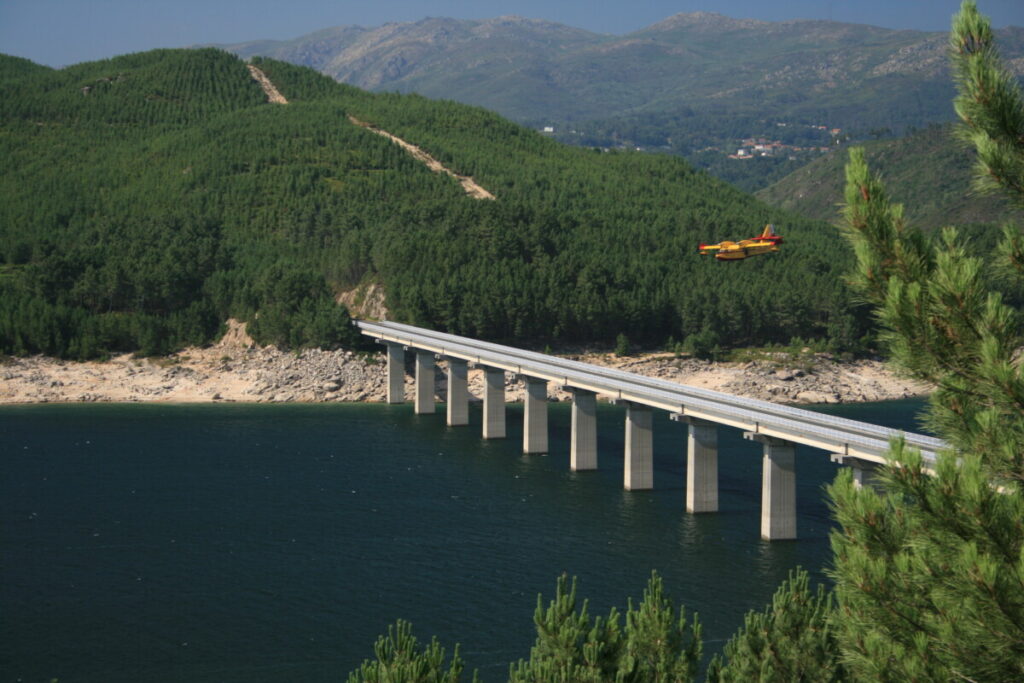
(778, 428)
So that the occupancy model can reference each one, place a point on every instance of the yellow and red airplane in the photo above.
(732, 251)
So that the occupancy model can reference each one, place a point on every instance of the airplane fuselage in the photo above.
(767, 242)
(734, 251)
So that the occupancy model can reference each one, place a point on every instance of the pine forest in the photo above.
(150, 197)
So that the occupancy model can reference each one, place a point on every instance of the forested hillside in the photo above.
(147, 198)
(930, 169)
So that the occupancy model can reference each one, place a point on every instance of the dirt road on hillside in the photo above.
(472, 188)
(273, 94)
(468, 184)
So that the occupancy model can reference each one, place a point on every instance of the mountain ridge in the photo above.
(841, 74)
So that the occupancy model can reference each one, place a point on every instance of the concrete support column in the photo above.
(535, 416)
(701, 466)
(778, 488)
(583, 448)
(864, 473)
(863, 470)
(424, 382)
(396, 373)
(638, 472)
(458, 393)
(494, 403)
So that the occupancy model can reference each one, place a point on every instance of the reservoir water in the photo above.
(276, 542)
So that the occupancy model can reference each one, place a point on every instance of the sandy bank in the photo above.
(237, 370)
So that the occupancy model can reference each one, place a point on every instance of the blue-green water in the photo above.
(275, 542)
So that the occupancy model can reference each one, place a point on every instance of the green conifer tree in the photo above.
(568, 646)
(929, 568)
(660, 644)
(657, 645)
(793, 639)
(399, 660)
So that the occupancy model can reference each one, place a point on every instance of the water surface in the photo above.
(276, 542)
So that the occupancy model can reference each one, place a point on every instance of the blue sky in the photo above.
(62, 32)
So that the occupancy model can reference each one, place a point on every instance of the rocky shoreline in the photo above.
(235, 370)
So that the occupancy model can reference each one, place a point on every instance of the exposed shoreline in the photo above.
(235, 370)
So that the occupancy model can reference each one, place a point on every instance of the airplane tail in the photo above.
(769, 231)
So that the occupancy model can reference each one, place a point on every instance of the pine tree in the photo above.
(568, 647)
(791, 640)
(929, 568)
(657, 645)
(399, 660)
(660, 644)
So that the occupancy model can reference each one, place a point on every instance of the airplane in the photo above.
(766, 242)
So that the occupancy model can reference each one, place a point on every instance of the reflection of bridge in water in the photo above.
(778, 428)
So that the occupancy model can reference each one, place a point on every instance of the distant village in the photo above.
(754, 147)
(763, 147)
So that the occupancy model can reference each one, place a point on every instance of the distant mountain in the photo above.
(929, 172)
(653, 86)
(495, 63)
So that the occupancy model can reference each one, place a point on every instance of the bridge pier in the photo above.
(583, 441)
(424, 383)
(494, 403)
(701, 464)
(638, 472)
(857, 445)
(864, 471)
(778, 488)
(535, 416)
(396, 373)
(458, 393)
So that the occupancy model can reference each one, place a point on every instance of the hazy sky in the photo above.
(62, 32)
